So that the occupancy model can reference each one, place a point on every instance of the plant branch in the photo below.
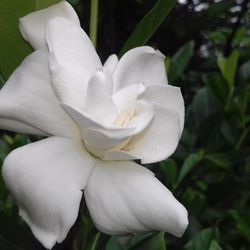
(93, 21)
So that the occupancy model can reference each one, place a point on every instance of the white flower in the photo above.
(98, 118)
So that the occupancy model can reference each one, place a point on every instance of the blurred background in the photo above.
(207, 44)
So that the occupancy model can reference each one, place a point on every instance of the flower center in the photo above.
(123, 119)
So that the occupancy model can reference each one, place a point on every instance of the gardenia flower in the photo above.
(98, 119)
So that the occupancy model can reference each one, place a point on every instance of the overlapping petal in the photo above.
(155, 143)
(32, 26)
(124, 197)
(73, 60)
(111, 63)
(46, 179)
(28, 103)
(167, 96)
(140, 65)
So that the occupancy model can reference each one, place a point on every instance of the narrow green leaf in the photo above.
(169, 170)
(148, 25)
(214, 245)
(156, 242)
(204, 240)
(180, 61)
(13, 49)
(242, 220)
(188, 165)
(217, 86)
(228, 67)
(219, 159)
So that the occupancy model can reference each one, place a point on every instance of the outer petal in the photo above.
(28, 103)
(32, 26)
(73, 60)
(124, 197)
(169, 97)
(140, 65)
(157, 142)
(111, 63)
(46, 179)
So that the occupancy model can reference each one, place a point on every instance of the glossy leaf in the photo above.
(169, 170)
(148, 25)
(188, 165)
(180, 61)
(217, 86)
(204, 240)
(156, 242)
(219, 159)
(242, 220)
(228, 67)
(13, 49)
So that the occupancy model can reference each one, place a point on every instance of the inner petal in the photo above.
(98, 102)
(125, 99)
(123, 119)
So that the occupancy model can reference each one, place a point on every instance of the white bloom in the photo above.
(98, 119)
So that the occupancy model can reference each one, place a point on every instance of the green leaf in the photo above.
(228, 67)
(180, 61)
(169, 170)
(148, 25)
(214, 245)
(242, 220)
(204, 240)
(217, 86)
(188, 165)
(219, 159)
(13, 49)
(156, 242)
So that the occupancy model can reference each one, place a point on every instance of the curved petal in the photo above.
(125, 99)
(124, 197)
(99, 138)
(169, 97)
(73, 60)
(156, 142)
(28, 100)
(32, 26)
(111, 63)
(140, 65)
(46, 179)
(19, 127)
(98, 102)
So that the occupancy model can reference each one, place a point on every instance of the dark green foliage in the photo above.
(208, 49)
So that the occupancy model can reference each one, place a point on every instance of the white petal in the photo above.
(20, 127)
(46, 179)
(125, 99)
(32, 26)
(124, 197)
(169, 97)
(73, 60)
(27, 98)
(159, 140)
(140, 65)
(111, 63)
(98, 101)
(97, 136)
(144, 114)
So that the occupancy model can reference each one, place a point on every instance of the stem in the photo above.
(93, 21)
(95, 241)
